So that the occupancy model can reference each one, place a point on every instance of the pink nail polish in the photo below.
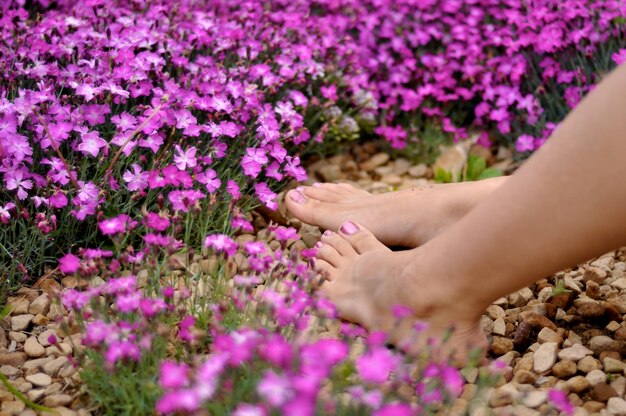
(349, 228)
(317, 185)
(300, 188)
(327, 233)
(297, 197)
(318, 244)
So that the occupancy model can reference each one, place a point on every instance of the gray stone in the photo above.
(52, 368)
(545, 357)
(41, 305)
(548, 335)
(596, 377)
(57, 400)
(588, 364)
(611, 365)
(616, 406)
(9, 370)
(601, 343)
(418, 171)
(574, 353)
(499, 327)
(534, 398)
(39, 379)
(44, 337)
(21, 322)
(33, 348)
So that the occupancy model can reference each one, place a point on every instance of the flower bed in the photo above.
(162, 124)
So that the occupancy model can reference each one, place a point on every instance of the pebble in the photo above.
(545, 357)
(595, 274)
(18, 337)
(537, 321)
(524, 377)
(619, 302)
(418, 171)
(564, 369)
(548, 335)
(601, 343)
(596, 377)
(375, 161)
(619, 283)
(57, 400)
(33, 348)
(501, 345)
(591, 310)
(602, 392)
(578, 384)
(588, 364)
(44, 337)
(534, 398)
(616, 406)
(14, 359)
(39, 380)
(18, 306)
(503, 395)
(611, 365)
(574, 353)
(14, 407)
(499, 327)
(21, 322)
(9, 370)
(41, 305)
(613, 326)
(52, 368)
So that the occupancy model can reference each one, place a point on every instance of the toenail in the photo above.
(349, 228)
(297, 197)
(327, 233)
(318, 244)
(317, 185)
(300, 188)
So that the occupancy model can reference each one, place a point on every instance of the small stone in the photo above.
(611, 365)
(578, 384)
(18, 337)
(619, 384)
(545, 357)
(595, 274)
(548, 335)
(451, 159)
(503, 395)
(494, 312)
(375, 161)
(619, 302)
(537, 321)
(14, 359)
(21, 322)
(41, 320)
(36, 364)
(33, 348)
(19, 305)
(613, 326)
(57, 400)
(619, 284)
(588, 364)
(524, 377)
(36, 394)
(470, 374)
(596, 377)
(52, 368)
(44, 337)
(591, 310)
(418, 171)
(534, 398)
(602, 392)
(501, 345)
(593, 406)
(14, 407)
(564, 369)
(605, 262)
(574, 353)
(39, 379)
(616, 406)
(41, 305)
(601, 343)
(499, 327)
(9, 370)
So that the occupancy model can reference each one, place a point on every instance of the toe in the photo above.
(324, 268)
(303, 208)
(343, 247)
(327, 253)
(359, 237)
(325, 193)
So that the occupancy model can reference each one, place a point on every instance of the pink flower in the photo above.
(245, 409)
(375, 365)
(185, 158)
(121, 350)
(137, 180)
(16, 180)
(221, 243)
(156, 222)
(96, 332)
(395, 409)
(525, 143)
(559, 400)
(69, 264)
(619, 57)
(116, 225)
(5, 215)
(173, 375)
(274, 388)
(128, 302)
(91, 143)
(178, 401)
(184, 328)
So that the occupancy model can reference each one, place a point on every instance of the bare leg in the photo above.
(404, 218)
(565, 205)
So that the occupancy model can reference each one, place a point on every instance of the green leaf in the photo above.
(490, 173)
(443, 176)
(475, 167)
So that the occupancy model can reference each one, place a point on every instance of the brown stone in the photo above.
(537, 321)
(563, 300)
(57, 400)
(591, 310)
(524, 377)
(594, 274)
(501, 345)
(564, 369)
(14, 359)
(593, 407)
(602, 392)
(578, 384)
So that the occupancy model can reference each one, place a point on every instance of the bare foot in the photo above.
(403, 218)
(367, 281)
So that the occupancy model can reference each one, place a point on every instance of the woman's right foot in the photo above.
(405, 218)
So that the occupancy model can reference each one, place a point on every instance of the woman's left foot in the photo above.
(392, 291)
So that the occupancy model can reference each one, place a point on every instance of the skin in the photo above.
(565, 205)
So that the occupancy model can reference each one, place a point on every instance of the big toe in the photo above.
(360, 238)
